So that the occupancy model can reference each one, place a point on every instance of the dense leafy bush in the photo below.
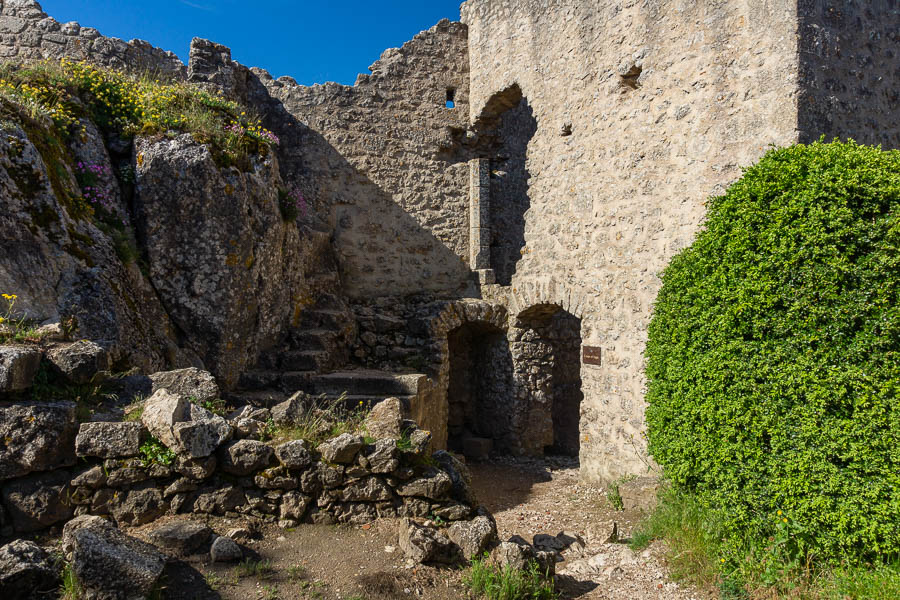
(774, 356)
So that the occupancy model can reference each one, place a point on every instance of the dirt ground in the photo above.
(527, 497)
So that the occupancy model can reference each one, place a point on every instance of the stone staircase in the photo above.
(315, 354)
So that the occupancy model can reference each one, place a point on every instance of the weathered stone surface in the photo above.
(354, 513)
(38, 501)
(18, 366)
(225, 549)
(195, 468)
(190, 383)
(139, 506)
(517, 554)
(180, 537)
(341, 449)
(639, 493)
(424, 544)
(292, 410)
(381, 457)
(92, 478)
(26, 571)
(294, 454)
(276, 478)
(385, 420)
(162, 411)
(432, 484)
(219, 501)
(369, 489)
(475, 536)
(294, 505)
(108, 563)
(199, 437)
(453, 511)
(36, 436)
(79, 362)
(110, 440)
(227, 313)
(244, 457)
(460, 476)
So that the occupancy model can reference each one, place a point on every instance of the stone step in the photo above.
(312, 339)
(303, 360)
(323, 318)
(366, 383)
(258, 398)
(366, 402)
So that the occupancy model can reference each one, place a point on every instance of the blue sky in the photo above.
(312, 41)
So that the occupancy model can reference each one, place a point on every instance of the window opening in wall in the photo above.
(451, 98)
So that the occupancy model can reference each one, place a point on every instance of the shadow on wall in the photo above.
(507, 126)
(382, 249)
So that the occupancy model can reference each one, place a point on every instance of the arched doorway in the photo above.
(479, 383)
(546, 355)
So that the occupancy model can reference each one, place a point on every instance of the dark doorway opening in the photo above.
(549, 367)
(478, 391)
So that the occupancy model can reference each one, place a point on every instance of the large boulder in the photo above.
(219, 253)
(110, 440)
(460, 477)
(26, 571)
(244, 457)
(108, 564)
(18, 366)
(475, 536)
(190, 383)
(38, 501)
(36, 436)
(79, 362)
(181, 537)
(424, 544)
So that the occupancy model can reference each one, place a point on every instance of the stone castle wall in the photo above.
(383, 163)
(643, 111)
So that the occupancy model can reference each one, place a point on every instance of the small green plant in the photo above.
(296, 572)
(270, 592)
(495, 583)
(154, 451)
(254, 568)
(71, 588)
(135, 410)
(614, 497)
(216, 406)
(319, 423)
(13, 325)
(213, 581)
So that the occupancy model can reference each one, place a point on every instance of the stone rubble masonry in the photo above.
(606, 127)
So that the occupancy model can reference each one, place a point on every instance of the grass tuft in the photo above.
(492, 582)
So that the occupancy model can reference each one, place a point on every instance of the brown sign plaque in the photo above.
(590, 355)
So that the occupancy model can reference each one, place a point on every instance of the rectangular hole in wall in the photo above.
(451, 98)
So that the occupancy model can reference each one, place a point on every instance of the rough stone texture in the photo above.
(139, 506)
(291, 410)
(36, 436)
(461, 488)
(225, 549)
(294, 454)
(424, 544)
(26, 571)
(341, 449)
(385, 420)
(110, 440)
(199, 437)
(382, 458)
(109, 564)
(432, 484)
(475, 536)
(62, 266)
(294, 505)
(351, 150)
(37, 501)
(181, 537)
(221, 257)
(162, 411)
(190, 383)
(79, 362)
(18, 366)
(244, 457)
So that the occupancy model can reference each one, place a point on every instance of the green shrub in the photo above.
(153, 451)
(494, 583)
(773, 357)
